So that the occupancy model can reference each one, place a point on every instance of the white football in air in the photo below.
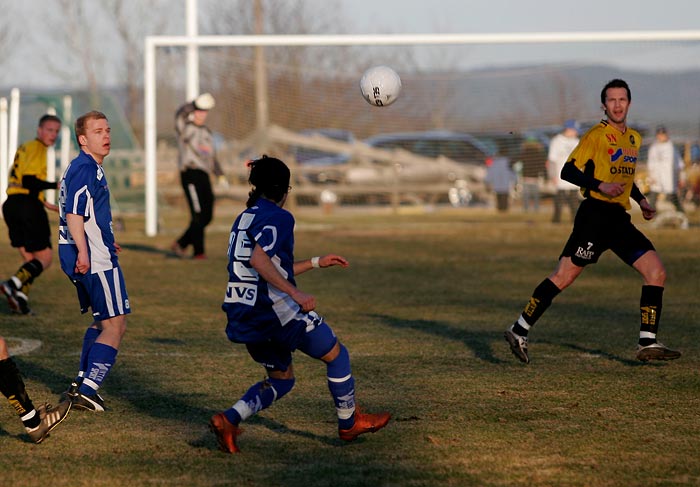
(380, 86)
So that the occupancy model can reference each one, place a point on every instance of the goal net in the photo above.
(464, 101)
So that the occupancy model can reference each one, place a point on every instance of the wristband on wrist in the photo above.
(315, 262)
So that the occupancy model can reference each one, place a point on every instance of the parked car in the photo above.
(455, 160)
(317, 166)
(317, 157)
(505, 144)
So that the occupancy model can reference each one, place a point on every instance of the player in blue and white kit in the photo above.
(88, 255)
(272, 317)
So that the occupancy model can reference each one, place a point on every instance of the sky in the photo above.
(519, 16)
(514, 16)
(459, 16)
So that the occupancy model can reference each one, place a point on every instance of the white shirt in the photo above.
(560, 148)
(664, 167)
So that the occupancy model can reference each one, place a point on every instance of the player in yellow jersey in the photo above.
(603, 166)
(24, 212)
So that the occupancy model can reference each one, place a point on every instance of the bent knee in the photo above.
(332, 354)
(281, 375)
(115, 324)
(656, 276)
(281, 386)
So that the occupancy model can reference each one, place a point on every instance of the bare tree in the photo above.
(133, 21)
(77, 63)
(7, 35)
(292, 72)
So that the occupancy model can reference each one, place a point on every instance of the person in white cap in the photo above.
(196, 160)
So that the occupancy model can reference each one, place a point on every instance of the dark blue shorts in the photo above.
(276, 352)
(104, 292)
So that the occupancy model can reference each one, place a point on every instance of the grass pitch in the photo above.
(422, 310)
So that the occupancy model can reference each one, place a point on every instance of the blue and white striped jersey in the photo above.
(253, 306)
(84, 191)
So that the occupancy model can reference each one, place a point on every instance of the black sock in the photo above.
(12, 387)
(541, 299)
(650, 305)
(28, 272)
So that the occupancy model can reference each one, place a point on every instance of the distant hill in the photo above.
(669, 98)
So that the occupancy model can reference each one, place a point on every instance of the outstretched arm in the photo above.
(181, 116)
(329, 260)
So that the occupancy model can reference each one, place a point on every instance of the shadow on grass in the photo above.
(190, 408)
(131, 386)
(57, 383)
(149, 249)
(167, 341)
(479, 341)
(273, 425)
(604, 354)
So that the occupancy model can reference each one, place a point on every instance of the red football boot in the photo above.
(226, 433)
(364, 423)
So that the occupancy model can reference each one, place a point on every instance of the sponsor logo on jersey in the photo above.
(611, 138)
(614, 155)
(622, 170)
(241, 292)
(628, 155)
(64, 236)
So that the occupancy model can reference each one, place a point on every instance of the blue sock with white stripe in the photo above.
(89, 338)
(100, 360)
(257, 398)
(342, 386)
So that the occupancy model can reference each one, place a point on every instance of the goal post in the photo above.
(153, 43)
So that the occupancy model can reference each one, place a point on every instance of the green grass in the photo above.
(422, 310)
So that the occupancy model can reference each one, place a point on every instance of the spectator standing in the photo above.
(665, 167)
(560, 147)
(532, 160)
(501, 179)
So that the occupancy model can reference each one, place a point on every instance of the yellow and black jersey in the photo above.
(30, 160)
(610, 156)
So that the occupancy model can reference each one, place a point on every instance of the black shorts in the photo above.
(600, 226)
(27, 222)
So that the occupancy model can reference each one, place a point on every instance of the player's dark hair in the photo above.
(270, 178)
(615, 83)
(48, 118)
(81, 123)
